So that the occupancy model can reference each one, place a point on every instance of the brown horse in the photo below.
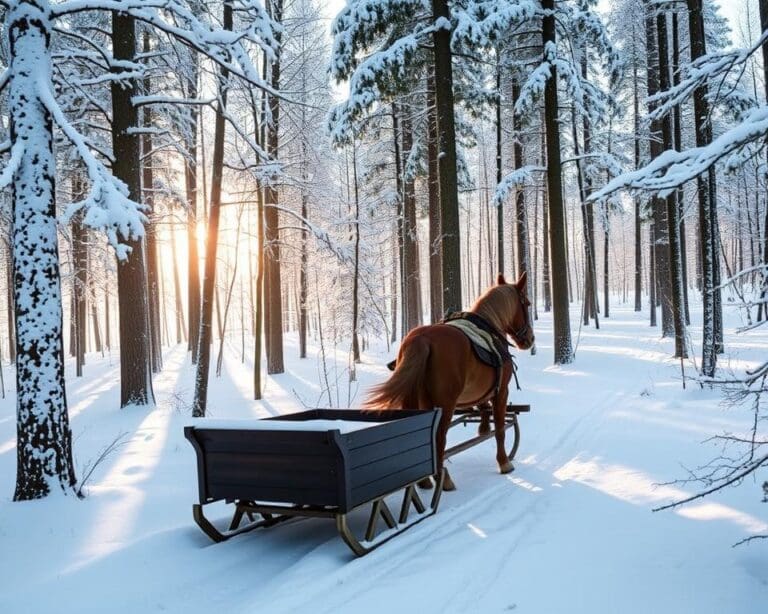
(436, 367)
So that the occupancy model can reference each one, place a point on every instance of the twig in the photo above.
(106, 452)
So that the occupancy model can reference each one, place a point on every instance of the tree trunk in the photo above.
(274, 319)
(499, 172)
(43, 434)
(399, 217)
(356, 275)
(521, 215)
(147, 180)
(763, 5)
(211, 246)
(80, 276)
(449, 197)
(563, 352)
(412, 293)
(94, 312)
(673, 212)
(606, 268)
(190, 182)
(259, 309)
(652, 272)
(638, 221)
(179, 306)
(706, 189)
(135, 374)
(658, 205)
(678, 145)
(10, 302)
(433, 183)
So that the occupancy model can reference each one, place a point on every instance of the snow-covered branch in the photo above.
(674, 168)
(107, 206)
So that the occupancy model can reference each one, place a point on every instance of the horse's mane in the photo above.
(497, 305)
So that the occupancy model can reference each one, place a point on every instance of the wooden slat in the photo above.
(388, 447)
(390, 465)
(390, 483)
(269, 470)
(297, 443)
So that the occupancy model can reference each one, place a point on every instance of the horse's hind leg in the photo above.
(485, 418)
(499, 419)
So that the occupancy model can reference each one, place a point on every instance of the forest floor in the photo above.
(570, 530)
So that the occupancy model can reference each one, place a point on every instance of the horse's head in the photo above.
(518, 324)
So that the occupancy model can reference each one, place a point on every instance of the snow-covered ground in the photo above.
(571, 530)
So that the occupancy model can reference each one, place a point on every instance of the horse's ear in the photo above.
(501, 281)
(522, 282)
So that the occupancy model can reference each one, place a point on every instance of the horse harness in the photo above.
(497, 355)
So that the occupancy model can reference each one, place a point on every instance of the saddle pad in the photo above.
(482, 341)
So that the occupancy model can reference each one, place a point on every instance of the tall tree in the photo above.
(674, 258)
(135, 373)
(446, 159)
(148, 186)
(80, 276)
(212, 241)
(433, 191)
(410, 261)
(563, 349)
(190, 185)
(43, 434)
(273, 286)
(658, 205)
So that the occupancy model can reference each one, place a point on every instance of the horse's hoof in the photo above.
(483, 429)
(506, 467)
(448, 482)
(425, 483)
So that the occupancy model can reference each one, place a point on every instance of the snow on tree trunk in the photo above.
(706, 205)
(44, 438)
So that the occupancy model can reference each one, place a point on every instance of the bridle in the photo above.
(519, 334)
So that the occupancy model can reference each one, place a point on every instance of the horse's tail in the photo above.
(401, 390)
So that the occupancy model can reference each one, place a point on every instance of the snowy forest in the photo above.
(239, 209)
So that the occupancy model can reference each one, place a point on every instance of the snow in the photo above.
(316, 425)
(570, 530)
(673, 168)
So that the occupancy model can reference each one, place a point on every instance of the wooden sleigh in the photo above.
(325, 463)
